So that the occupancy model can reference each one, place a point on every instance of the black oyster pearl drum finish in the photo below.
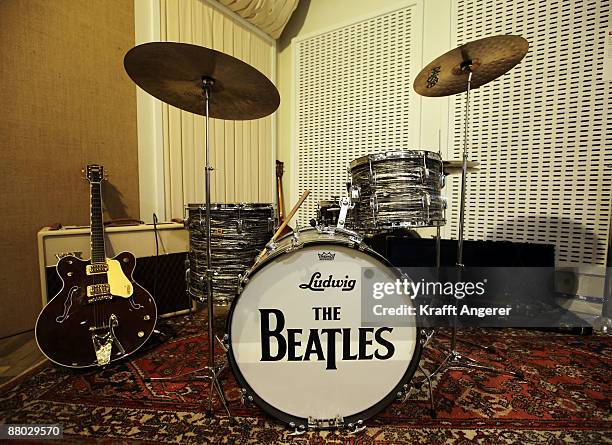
(238, 233)
(398, 189)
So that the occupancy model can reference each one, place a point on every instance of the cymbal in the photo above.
(173, 73)
(455, 167)
(489, 58)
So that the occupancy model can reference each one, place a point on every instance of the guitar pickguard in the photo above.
(120, 285)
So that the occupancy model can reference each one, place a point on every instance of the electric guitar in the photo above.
(280, 168)
(101, 314)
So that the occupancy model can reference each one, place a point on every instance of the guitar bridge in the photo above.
(103, 345)
(103, 341)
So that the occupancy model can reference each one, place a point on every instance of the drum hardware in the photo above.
(213, 84)
(408, 389)
(297, 430)
(454, 167)
(299, 403)
(345, 205)
(487, 59)
(334, 212)
(281, 228)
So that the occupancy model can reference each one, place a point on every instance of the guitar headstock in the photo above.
(280, 169)
(95, 174)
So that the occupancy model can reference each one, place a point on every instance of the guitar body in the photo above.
(77, 330)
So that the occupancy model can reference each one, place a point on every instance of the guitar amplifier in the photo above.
(160, 267)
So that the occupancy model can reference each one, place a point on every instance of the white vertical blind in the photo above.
(242, 153)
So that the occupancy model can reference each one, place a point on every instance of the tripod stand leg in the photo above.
(441, 366)
(489, 349)
(432, 409)
(222, 395)
(471, 363)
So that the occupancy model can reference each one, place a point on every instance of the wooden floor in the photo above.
(18, 354)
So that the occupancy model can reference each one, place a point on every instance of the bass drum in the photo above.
(297, 345)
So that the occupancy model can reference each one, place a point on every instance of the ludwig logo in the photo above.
(319, 284)
(326, 256)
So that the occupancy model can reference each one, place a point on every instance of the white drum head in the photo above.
(317, 368)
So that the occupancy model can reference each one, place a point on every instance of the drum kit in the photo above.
(294, 336)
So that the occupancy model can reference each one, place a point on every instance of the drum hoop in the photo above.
(294, 421)
(355, 241)
(230, 206)
(394, 154)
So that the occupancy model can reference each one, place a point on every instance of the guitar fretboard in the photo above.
(98, 253)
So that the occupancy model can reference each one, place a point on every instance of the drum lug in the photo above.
(223, 342)
(270, 224)
(336, 422)
(301, 429)
(405, 393)
(239, 224)
(242, 279)
(424, 169)
(426, 199)
(296, 243)
(271, 246)
(245, 398)
(186, 217)
(356, 428)
(187, 269)
(426, 336)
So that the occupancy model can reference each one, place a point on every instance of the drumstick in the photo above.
(295, 208)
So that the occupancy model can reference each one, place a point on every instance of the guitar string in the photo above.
(93, 253)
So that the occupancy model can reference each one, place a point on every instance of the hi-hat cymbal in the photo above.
(455, 167)
(173, 73)
(488, 58)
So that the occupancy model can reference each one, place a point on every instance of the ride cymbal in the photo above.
(488, 59)
(173, 73)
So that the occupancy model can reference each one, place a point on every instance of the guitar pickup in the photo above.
(98, 292)
(93, 269)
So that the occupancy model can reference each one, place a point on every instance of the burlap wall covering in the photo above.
(65, 102)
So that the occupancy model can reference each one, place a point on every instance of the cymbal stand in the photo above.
(212, 370)
(454, 359)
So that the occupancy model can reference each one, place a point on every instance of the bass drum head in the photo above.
(297, 365)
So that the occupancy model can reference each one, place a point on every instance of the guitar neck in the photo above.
(98, 251)
(279, 191)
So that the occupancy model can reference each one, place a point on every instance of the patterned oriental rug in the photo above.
(566, 398)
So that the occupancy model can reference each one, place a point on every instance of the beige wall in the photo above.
(66, 101)
(321, 15)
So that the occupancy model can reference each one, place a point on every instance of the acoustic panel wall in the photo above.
(542, 132)
(353, 97)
